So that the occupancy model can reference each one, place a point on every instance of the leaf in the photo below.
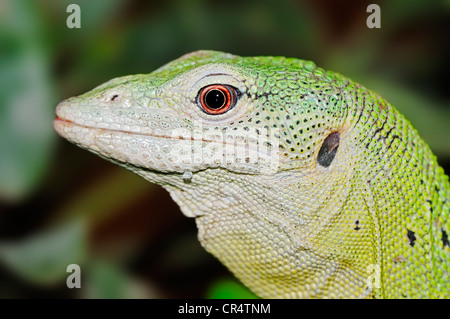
(229, 289)
(43, 258)
(107, 280)
(26, 102)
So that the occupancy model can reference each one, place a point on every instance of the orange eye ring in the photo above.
(217, 98)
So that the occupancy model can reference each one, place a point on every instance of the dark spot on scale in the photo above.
(445, 241)
(411, 237)
(114, 97)
(357, 225)
(431, 204)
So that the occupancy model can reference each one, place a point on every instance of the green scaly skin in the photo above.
(374, 223)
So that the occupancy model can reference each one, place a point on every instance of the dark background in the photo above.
(61, 205)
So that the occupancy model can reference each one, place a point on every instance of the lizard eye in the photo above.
(217, 98)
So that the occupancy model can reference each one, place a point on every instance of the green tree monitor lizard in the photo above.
(303, 183)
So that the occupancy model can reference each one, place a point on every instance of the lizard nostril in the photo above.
(114, 97)
(328, 149)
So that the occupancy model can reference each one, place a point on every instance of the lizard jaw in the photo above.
(167, 151)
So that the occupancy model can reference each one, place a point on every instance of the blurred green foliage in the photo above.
(26, 91)
(133, 242)
(43, 258)
(229, 289)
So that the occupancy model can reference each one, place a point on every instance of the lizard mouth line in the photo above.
(59, 122)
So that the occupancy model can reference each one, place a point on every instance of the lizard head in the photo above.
(249, 146)
(210, 110)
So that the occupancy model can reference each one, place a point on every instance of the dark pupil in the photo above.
(215, 99)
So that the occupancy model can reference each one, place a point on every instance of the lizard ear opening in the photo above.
(328, 149)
